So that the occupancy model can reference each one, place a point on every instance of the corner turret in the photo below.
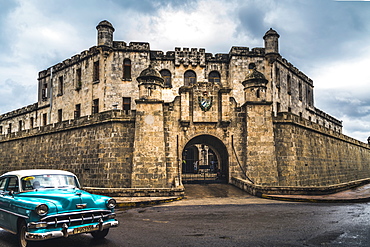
(271, 38)
(150, 84)
(105, 33)
(255, 85)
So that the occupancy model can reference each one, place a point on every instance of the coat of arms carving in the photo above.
(205, 101)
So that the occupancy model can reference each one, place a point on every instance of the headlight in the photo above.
(42, 209)
(111, 203)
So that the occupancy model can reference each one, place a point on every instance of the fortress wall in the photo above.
(98, 149)
(311, 155)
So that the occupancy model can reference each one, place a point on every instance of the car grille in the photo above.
(77, 218)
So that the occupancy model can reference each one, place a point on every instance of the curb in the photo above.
(315, 200)
(146, 203)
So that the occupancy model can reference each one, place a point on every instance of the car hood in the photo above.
(65, 199)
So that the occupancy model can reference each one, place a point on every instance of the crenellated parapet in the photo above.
(18, 112)
(296, 71)
(217, 58)
(161, 56)
(191, 57)
(244, 51)
(133, 46)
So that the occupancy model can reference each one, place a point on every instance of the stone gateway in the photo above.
(129, 119)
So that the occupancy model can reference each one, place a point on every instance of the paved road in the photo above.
(225, 216)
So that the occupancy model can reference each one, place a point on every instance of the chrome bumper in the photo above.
(65, 232)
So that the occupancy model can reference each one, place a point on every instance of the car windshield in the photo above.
(49, 181)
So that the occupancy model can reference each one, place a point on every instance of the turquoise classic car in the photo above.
(44, 204)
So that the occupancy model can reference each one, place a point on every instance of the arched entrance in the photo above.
(205, 160)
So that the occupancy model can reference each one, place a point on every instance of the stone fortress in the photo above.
(122, 116)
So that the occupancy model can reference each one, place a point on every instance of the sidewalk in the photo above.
(358, 194)
(355, 195)
(136, 202)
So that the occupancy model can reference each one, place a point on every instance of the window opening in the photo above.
(95, 107)
(190, 78)
(166, 75)
(214, 77)
(126, 104)
(127, 69)
(78, 111)
(60, 115)
(60, 86)
(96, 71)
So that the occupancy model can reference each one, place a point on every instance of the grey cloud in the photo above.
(14, 96)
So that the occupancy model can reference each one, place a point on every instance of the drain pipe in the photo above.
(237, 160)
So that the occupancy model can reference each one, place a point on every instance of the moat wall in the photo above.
(98, 149)
(311, 155)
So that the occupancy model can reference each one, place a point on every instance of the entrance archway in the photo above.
(205, 160)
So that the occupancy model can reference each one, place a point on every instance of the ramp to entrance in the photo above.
(213, 190)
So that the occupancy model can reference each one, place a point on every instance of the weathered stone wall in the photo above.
(311, 155)
(98, 149)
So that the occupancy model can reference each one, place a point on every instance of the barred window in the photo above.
(190, 78)
(166, 75)
(214, 77)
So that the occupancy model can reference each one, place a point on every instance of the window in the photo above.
(12, 185)
(127, 69)
(20, 124)
(44, 119)
(126, 104)
(60, 85)
(96, 71)
(252, 66)
(277, 76)
(95, 107)
(2, 184)
(289, 85)
(1, 130)
(214, 77)
(78, 79)
(166, 75)
(78, 111)
(60, 115)
(190, 78)
(31, 122)
(300, 91)
(10, 128)
(44, 91)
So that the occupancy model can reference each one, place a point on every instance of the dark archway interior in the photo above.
(205, 159)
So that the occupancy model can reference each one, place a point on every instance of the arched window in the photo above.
(214, 77)
(127, 69)
(166, 75)
(190, 78)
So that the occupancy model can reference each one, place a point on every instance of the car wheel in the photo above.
(100, 234)
(22, 228)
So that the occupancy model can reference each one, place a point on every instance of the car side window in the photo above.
(13, 185)
(2, 184)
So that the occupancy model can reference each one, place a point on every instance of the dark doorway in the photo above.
(205, 160)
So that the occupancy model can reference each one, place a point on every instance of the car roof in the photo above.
(30, 172)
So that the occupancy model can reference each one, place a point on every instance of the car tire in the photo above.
(100, 234)
(21, 234)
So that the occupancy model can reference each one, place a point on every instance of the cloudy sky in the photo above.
(326, 39)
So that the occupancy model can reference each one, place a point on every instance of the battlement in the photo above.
(159, 55)
(108, 116)
(287, 117)
(20, 111)
(292, 68)
(244, 51)
(191, 56)
(133, 46)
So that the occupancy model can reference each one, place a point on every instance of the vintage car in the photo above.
(44, 204)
